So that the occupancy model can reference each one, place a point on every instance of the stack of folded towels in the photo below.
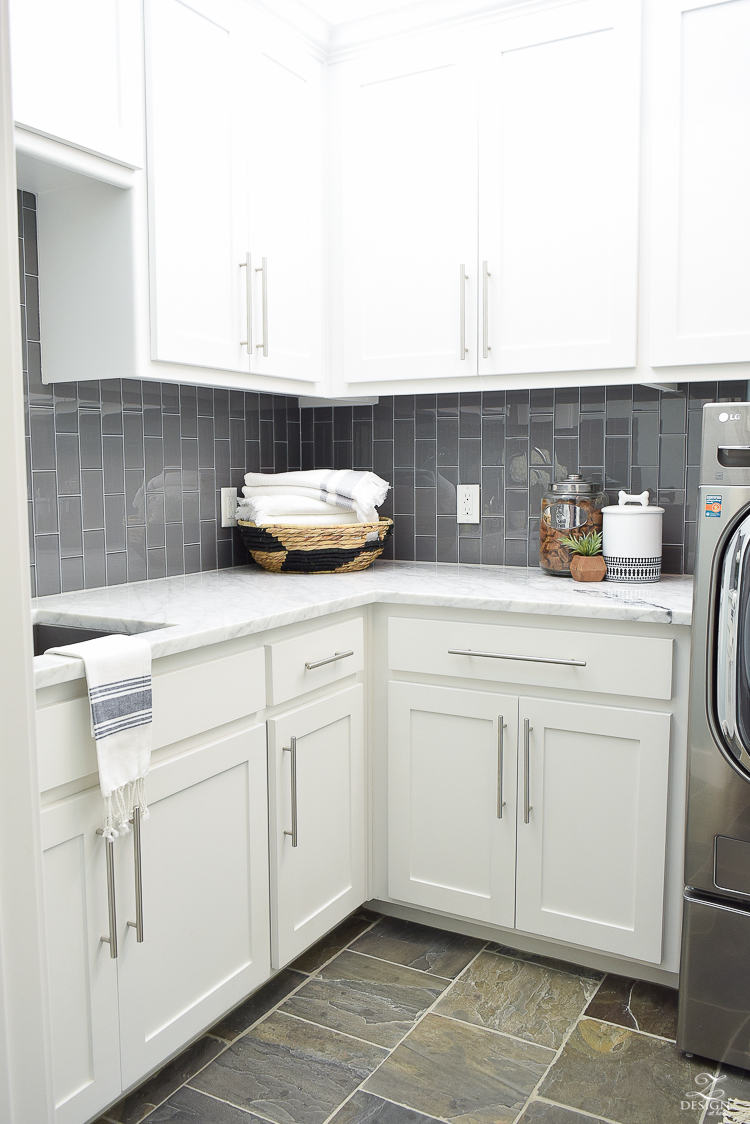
(319, 498)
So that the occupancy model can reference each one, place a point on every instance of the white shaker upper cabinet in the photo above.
(78, 73)
(403, 211)
(700, 219)
(558, 189)
(195, 62)
(285, 222)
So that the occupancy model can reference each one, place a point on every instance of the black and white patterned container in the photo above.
(631, 533)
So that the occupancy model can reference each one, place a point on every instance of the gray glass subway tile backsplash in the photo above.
(124, 476)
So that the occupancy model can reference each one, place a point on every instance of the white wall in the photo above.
(25, 1085)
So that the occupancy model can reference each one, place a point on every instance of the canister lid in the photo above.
(574, 483)
(632, 505)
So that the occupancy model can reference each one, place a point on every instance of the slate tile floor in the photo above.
(388, 1022)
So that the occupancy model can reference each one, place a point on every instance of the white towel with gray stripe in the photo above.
(118, 675)
(361, 492)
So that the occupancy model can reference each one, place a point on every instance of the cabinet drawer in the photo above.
(290, 674)
(618, 665)
(186, 701)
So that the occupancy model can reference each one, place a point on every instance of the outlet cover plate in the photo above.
(229, 507)
(467, 503)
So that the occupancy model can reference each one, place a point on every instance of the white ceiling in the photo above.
(342, 11)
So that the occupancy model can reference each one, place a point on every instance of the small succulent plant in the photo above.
(588, 544)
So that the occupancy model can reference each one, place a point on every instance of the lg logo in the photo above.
(725, 417)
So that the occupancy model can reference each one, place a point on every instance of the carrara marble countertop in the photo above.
(197, 609)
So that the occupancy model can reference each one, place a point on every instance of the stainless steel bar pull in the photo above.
(138, 923)
(462, 348)
(506, 656)
(292, 748)
(111, 940)
(500, 761)
(526, 769)
(486, 349)
(263, 270)
(330, 659)
(248, 265)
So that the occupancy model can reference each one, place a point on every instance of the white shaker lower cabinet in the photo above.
(452, 800)
(205, 898)
(592, 820)
(82, 976)
(317, 814)
(205, 919)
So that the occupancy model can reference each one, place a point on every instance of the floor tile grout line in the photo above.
(395, 963)
(425, 1013)
(633, 1029)
(491, 1030)
(334, 1030)
(563, 1044)
(581, 1111)
(213, 1097)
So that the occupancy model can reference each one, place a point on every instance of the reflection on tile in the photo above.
(418, 946)
(137, 1105)
(546, 961)
(364, 1108)
(636, 1004)
(327, 947)
(368, 998)
(188, 1106)
(623, 1075)
(289, 1070)
(519, 998)
(462, 1073)
(71, 570)
(259, 1004)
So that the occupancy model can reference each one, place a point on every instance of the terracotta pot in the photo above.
(588, 567)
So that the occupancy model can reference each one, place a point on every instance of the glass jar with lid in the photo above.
(571, 507)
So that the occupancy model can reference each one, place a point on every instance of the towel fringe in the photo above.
(119, 805)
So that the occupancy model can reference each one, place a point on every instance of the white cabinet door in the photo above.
(591, 857)
(452, 800)
(82, 975)
(317, 820)
(78, 73)
(403, 210)
(196, 66)
(285, 216)
(205, 898)
(558, 188)
(700, 220)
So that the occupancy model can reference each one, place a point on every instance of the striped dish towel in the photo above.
(118, 674)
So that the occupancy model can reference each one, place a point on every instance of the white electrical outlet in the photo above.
(229, 507)
(467, 503)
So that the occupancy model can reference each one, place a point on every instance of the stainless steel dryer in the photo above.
(714, 1013)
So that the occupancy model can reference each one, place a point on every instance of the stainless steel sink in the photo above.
(55, 635)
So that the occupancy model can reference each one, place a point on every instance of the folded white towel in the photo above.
(272, 503)
(259, 512)
(118, 674)
(362, 492)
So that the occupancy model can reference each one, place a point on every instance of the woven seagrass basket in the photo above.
(301, 549)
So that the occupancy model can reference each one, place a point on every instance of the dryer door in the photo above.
(732, 662)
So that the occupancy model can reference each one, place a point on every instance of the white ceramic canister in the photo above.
(631, 539)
